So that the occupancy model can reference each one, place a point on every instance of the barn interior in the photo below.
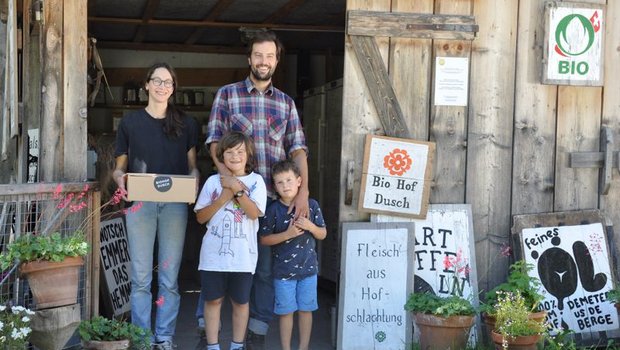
(204, 40)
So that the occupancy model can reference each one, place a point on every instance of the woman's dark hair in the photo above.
(263, 36)
(173, 123)
(233, 139)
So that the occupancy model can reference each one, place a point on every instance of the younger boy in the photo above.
(295, 263)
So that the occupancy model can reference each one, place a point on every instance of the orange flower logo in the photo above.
(397, 162)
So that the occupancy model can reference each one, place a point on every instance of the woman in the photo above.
(157, 139)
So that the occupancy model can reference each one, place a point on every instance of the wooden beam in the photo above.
(149, 12)
(127, 45)
(379, 85)
(186, 76)
(51, 150)
(212, 16)
(411, 25)
(284, 11)
(74, 66)
(235, 50)
(213, 24)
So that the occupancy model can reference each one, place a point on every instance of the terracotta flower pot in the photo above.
(106, 345)
(53, 284)
(527, 342)
(489, 321)
(442, 333)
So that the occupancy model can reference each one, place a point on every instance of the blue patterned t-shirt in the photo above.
(295, 258)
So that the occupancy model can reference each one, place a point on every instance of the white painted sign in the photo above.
(451, 81)
(33, 155)
(376, 259)
(396, 176)
(115, 262)
(574, 44)
(444, 258)
(573, 265)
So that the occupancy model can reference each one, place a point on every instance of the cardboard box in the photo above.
(161, 188)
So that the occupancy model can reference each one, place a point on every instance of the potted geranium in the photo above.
(514, 328)
(518, 281)
(444, 323)
(50, 263)
(112, 334)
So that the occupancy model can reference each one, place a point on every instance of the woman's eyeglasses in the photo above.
(158, 82)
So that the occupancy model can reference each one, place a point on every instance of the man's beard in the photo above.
(257, 76)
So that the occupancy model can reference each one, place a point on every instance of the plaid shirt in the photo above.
(270, 118)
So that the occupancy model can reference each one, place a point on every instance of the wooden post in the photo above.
(578, 130)
(74, 86)
(51, 151)
(489, 145)
(611, 110)
(534, 136)
(448, 124)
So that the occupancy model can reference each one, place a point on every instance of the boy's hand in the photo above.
(293, 231)
(232, 183)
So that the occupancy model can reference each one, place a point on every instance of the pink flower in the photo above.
(57, 191)
(447, 263)
(160, 301)
(118, 195)
(505, 250)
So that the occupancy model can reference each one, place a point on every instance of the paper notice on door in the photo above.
(451, 81)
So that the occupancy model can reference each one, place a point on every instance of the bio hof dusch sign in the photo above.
(574, 44)
(396, 176)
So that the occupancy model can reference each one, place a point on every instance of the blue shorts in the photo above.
(295, 295)
(236, 285)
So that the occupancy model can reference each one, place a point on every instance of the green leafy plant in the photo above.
(428, 303)
(512, 317)
(53, 247)
(560, 341)
(14, 326)
(518, 281)
(103, 329)
(613, 296)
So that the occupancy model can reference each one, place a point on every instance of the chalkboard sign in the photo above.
(115, 263)
(573, 265)
(396, 176)
(445, 259)
(376, 259)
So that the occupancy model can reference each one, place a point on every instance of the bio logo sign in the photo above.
(575, 44)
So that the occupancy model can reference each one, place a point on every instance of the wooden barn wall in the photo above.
(507, 152)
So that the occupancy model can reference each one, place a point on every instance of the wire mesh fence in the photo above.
(43, 209)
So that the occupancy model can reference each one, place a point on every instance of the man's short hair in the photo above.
(264, 36)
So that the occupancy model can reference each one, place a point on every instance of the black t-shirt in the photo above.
(149, 149)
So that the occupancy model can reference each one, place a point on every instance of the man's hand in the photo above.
(300, 203)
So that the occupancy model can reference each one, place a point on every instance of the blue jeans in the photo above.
(200, 308)
(167, 222)
(262, 295)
